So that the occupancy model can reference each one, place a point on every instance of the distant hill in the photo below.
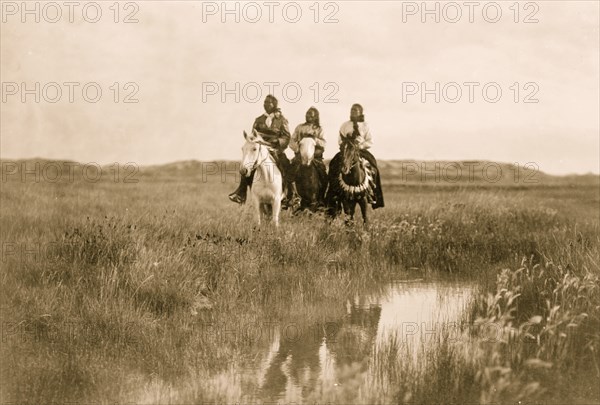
(461, 172)
(394, 172)
(410, 172)
(478, 172)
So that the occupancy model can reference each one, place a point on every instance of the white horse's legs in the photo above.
(276, 209)
(259, 212)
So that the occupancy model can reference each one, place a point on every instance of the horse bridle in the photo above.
(354, 164)
(350, 168)
(256, 163)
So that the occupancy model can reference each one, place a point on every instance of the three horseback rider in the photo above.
(274, 129)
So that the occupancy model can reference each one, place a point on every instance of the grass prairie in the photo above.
(135, 291)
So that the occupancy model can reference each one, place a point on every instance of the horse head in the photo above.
(355, 176)
(307, 150)
(350, 155)
(254, 152)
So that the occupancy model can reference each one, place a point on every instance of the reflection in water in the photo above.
(294, 367)
(418, 312)
(301, 364)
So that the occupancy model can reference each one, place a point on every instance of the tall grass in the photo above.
(543, 346)
(125, 278)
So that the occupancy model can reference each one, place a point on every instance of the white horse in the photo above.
(267, 186)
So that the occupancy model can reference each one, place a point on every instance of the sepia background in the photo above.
(368, 53)
(147, 285)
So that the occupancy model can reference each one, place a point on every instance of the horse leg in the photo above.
(363, 210)
(322, 182)
(312, 203)
(303, 204)
(349, 207)
(258, 210)
(275, 209)
(315, 189)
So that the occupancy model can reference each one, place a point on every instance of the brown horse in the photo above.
(308, 183)
(351, 181)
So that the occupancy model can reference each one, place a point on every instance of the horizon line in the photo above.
(38, 158)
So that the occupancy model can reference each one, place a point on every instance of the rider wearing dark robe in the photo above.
(357, 130)
(273, 127)
(311, 128)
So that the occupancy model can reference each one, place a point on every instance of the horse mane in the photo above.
(270, 160)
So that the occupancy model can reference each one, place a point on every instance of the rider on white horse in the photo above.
(273, 128)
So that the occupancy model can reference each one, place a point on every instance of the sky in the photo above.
(182, 60)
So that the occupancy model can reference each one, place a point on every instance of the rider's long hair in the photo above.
(356, 120)
(317, 119)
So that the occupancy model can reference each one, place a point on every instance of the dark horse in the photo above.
(351, 181)
(308, 183)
